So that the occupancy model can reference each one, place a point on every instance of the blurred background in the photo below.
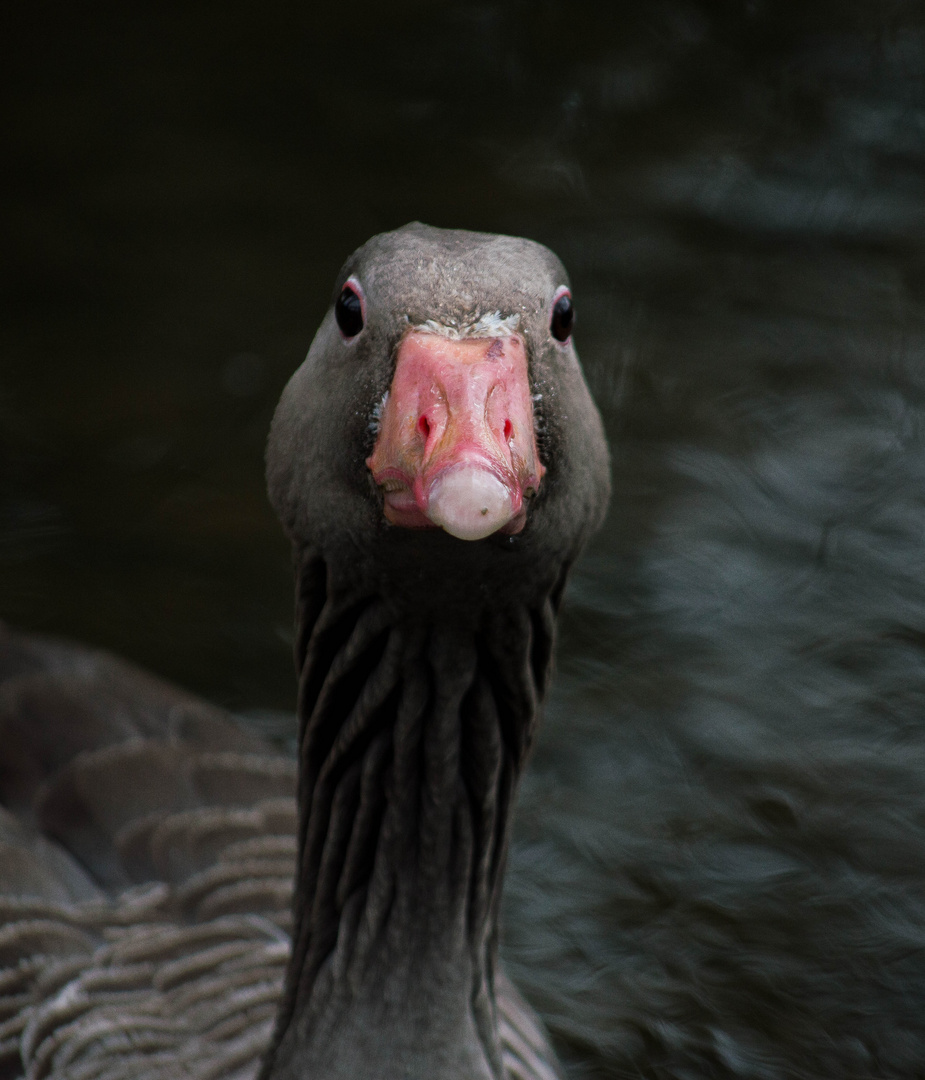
(719, 863)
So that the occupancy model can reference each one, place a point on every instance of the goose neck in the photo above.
(413, 733)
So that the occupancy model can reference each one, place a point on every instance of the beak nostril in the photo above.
(508, 430)
(424, 426)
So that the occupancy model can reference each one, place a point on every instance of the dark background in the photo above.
(720, 863)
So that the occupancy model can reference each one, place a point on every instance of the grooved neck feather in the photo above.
(413, 732)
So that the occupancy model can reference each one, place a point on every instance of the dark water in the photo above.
(720, 864)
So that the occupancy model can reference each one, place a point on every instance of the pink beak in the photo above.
(456, 446)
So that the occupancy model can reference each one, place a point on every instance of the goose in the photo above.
(437, 463)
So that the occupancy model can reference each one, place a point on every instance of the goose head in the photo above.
(441, 422)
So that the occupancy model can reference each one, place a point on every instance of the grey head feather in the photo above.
(324, 427)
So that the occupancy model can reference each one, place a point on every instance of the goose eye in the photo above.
(348, 311)
(563, 317)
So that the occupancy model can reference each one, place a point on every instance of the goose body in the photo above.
(437, 464)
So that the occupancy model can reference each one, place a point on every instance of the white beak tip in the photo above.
(469, 502)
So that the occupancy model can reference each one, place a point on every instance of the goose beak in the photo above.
(456, 447)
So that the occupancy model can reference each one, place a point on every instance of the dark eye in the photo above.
(349, 311)
(563, 317)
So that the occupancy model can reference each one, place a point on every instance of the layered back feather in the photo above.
(146, 868)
